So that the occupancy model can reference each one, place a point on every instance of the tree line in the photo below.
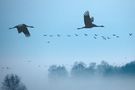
(80, 69)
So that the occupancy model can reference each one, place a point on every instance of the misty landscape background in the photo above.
(80, 76)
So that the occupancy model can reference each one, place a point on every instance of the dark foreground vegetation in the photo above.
(12, 82)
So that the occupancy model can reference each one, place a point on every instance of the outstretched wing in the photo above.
(87, 20)
(92, 19)
(26, 32)
(19, 29)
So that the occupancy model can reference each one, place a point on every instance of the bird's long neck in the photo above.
(12, 27)
(30, 26)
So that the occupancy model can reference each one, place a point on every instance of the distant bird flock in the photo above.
(88, 23)
(95, 36)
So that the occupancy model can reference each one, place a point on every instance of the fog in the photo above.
(39, 77)
(93, 83)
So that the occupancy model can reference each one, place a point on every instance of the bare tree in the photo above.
(12, 82)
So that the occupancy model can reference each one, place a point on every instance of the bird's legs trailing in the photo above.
(101, 26)
(80, 28)
(97, 25)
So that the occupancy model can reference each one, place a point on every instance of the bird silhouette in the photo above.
(95, 34)
(48, 42)
(7, 68)
(45, 35)
(95, 37)
(103, 37)
(23, 28)
(58, 35)
(117, 36)
(76, 35)
(50, 35)
(108, 38)
(68, 35)
(114, 34)
(85, 34)
(88, 21)
(130, 34)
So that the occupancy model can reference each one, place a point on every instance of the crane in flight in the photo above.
(88, 21)
(130, 34)
(23, 28)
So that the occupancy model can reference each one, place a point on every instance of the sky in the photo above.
(25, 55)
(63, 17)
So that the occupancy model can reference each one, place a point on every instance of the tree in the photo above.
(78, 69)
(91, 69)
(129, 68)
(105, 69)
(57, 72)
(12, 82)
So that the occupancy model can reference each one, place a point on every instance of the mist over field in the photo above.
(80, 76)
(93, 83)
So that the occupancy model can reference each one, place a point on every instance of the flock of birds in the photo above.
(94, 36)
(88, 22)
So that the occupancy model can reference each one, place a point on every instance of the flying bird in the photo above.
(45, 35)
(7, 68)
(88, 21)
(68, 35)
(85, 34)
(108, 38)
(95, 34)
(48, 42)
(130, 34)
(114, 34)
(103, 37)
(23, 28)
(58, 35)
(50, 35)
(76, 35)
(95, 37)
(117, 36)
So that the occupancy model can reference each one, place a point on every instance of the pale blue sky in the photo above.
(63, 17)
